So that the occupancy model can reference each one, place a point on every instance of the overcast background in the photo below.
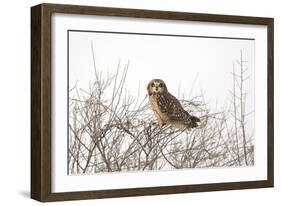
(188, 65)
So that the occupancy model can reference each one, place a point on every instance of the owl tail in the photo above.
(194, 121)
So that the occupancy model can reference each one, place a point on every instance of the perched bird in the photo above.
(167, 108)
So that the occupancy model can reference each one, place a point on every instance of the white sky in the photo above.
(179, 61)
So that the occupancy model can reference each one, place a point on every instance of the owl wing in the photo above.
(169, 105)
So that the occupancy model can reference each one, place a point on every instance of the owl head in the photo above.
(156, 86)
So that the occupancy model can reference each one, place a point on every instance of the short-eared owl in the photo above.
(167, 109)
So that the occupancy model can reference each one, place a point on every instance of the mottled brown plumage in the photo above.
(167, 109)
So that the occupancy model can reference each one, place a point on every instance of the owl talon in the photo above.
(157, 124)
(153, 123)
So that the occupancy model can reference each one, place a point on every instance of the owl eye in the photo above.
(152, 84)
(160, 85)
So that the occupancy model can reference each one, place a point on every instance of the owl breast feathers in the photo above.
(167, 109)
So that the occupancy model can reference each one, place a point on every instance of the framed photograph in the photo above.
(130, 102)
